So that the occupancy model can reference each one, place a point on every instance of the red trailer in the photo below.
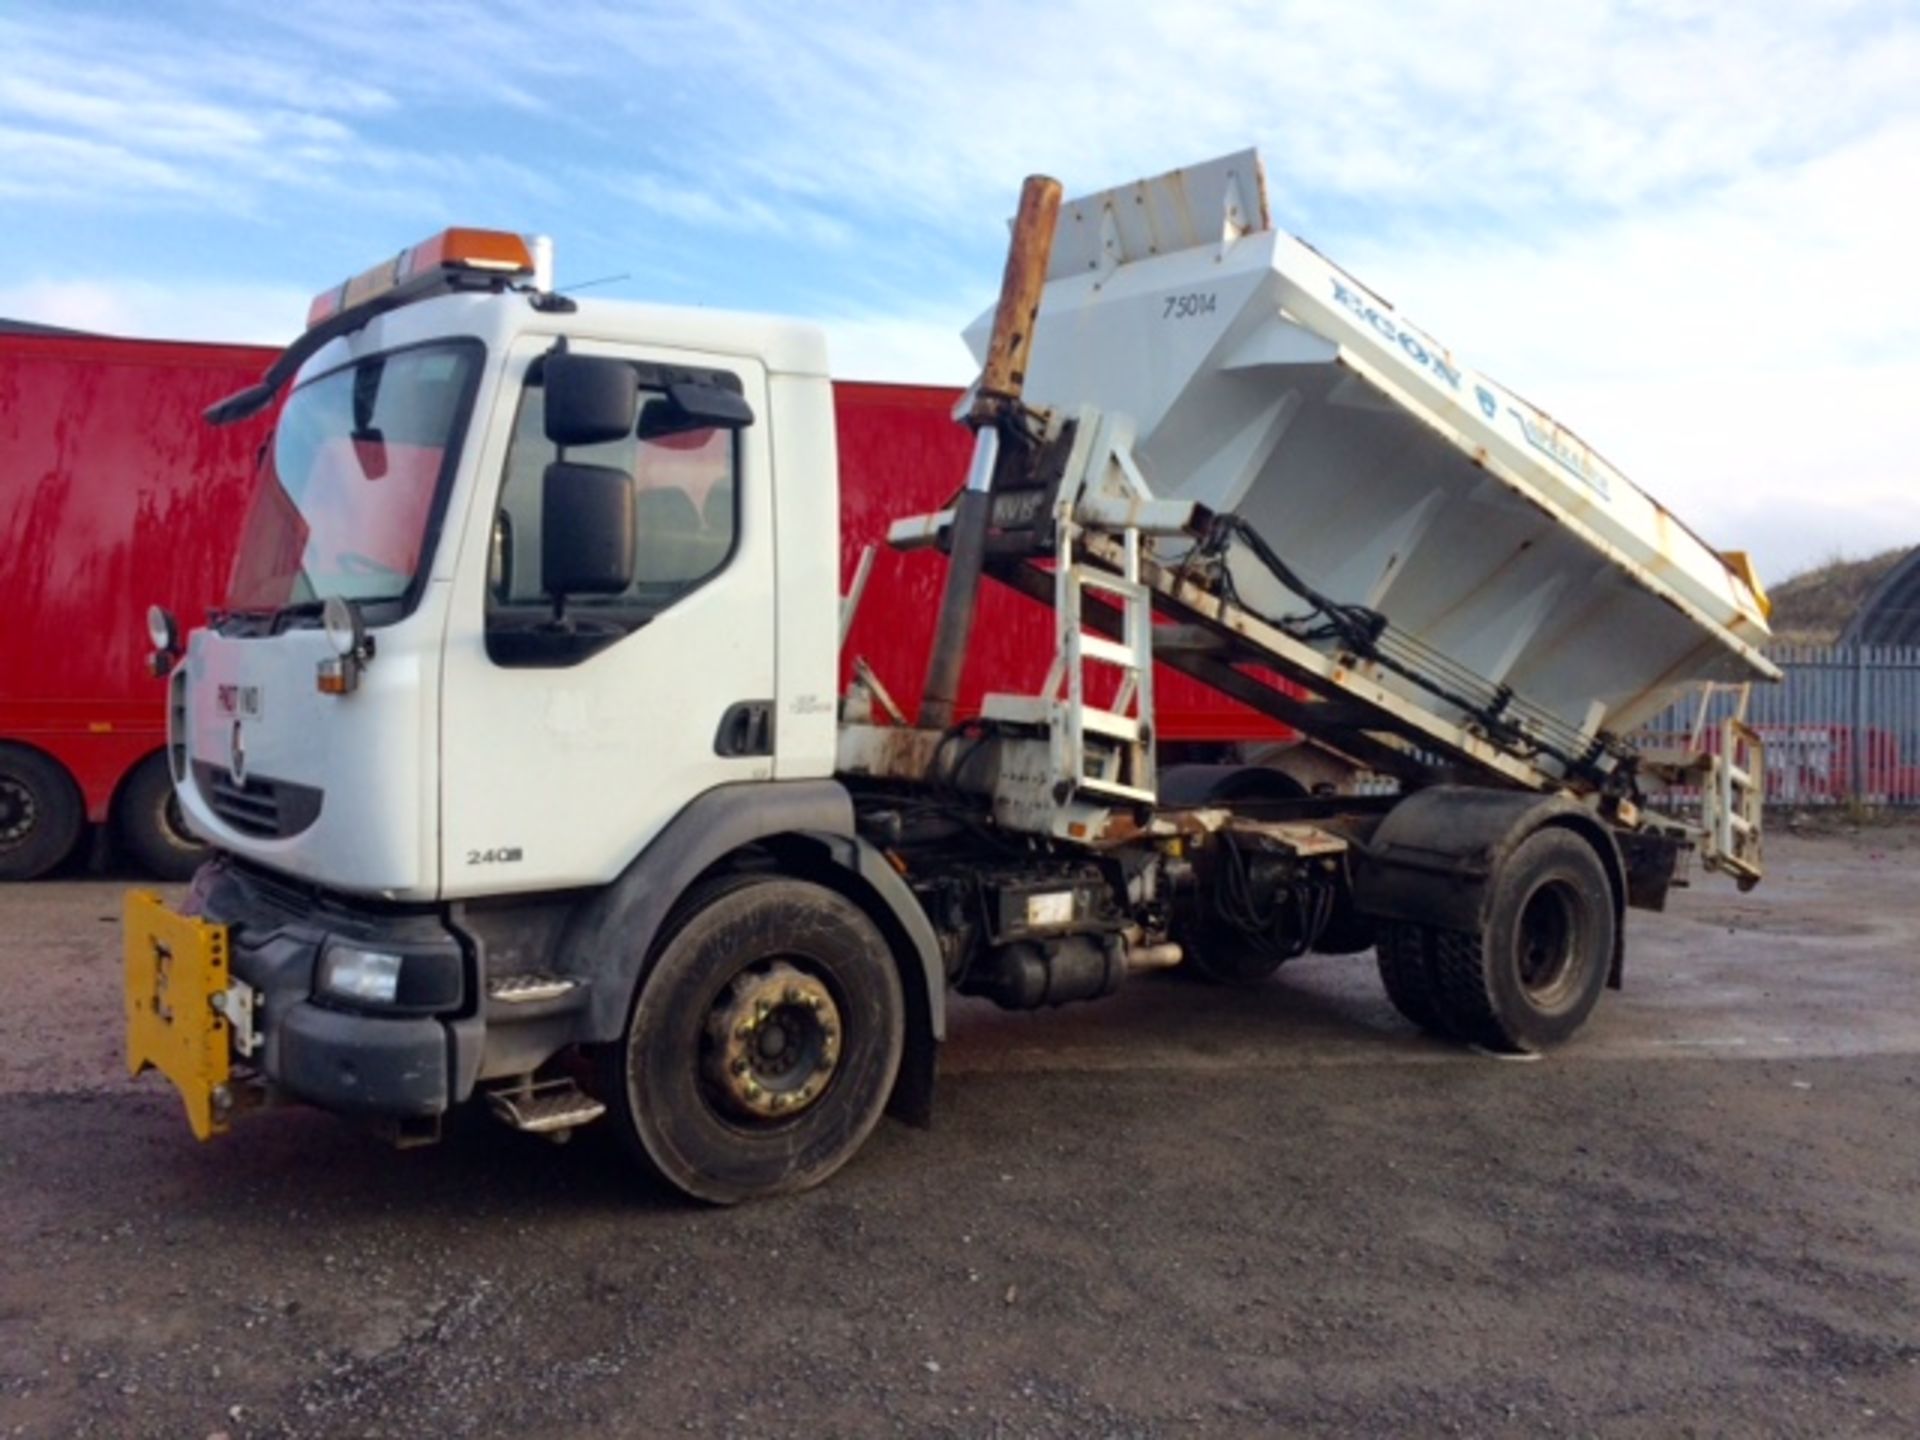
(114, 495)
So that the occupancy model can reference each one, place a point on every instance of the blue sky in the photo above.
(1687, 229)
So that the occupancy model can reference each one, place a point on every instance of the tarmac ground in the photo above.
(1181, 1211)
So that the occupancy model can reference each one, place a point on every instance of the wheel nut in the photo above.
(740, 1066)
(792, 997)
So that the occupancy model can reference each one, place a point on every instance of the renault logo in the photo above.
(237, 757)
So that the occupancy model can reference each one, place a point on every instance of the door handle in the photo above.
(746, 729)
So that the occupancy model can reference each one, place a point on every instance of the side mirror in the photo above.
(691, 405)
(590, 398)
(586, 531)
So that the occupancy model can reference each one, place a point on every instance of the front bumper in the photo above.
(248, 943)
(358, 1063)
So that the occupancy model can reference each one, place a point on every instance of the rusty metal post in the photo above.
(1004, 374)
(1002, 378)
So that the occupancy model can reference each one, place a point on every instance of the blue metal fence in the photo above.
(1843, 727)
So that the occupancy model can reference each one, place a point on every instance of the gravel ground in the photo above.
(1178, 1212)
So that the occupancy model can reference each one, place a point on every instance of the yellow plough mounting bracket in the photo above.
(176, 966)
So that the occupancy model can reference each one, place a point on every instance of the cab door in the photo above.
(571, 734)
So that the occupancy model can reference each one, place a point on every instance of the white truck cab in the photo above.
(526, 583)
(406, 478)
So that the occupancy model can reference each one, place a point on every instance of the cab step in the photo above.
(530, 989)
(551, 1107)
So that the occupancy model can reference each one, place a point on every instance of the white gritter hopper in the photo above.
(1386, 472)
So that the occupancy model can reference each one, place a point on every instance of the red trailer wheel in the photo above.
(40, 813)
(149, 826)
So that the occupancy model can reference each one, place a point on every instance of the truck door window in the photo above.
(685, 501)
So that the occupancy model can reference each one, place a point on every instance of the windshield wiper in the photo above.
(295, 610)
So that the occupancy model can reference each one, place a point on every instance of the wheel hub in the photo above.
(16, 812)
(776, 1042)
(1549, 926)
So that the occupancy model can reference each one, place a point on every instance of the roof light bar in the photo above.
(484, 254)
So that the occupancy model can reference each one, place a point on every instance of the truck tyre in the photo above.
(41, 813)
(763, 1043)
(1405, 953)
(1531, 976)
(150, 828)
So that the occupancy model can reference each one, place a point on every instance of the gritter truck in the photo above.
(523, 741)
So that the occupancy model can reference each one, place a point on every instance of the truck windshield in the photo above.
(349, 491)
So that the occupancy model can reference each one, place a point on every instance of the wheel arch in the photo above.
(854, 868)
(800, 828)
(1432, 857)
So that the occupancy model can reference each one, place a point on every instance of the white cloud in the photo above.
(1682, 226)
(147, 309)
(685, 200)
(931, 112)
(1792, 466)
(1751, 356)
(38, 167)
(897, 349)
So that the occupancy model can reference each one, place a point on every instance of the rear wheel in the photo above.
(763, 1044)
(1405, 953)
(150, 827)
(41, 813)
(1532, 975)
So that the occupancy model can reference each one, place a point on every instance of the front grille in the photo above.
(265, 808)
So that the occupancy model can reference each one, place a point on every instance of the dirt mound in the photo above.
(1813, 607)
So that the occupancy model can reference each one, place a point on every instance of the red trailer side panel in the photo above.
(114, 495)
(901, 454)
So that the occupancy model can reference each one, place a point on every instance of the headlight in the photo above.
(411, 981)
(341, 621)
(161, 628)
(371, 977)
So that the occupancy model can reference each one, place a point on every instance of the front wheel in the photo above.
(763, 1043)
